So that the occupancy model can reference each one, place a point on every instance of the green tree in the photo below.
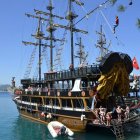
(138, 23)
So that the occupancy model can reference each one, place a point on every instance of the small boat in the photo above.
(58, 129)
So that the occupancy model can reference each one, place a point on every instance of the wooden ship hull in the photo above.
(74, 107)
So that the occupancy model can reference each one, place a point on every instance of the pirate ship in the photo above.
(74, 96)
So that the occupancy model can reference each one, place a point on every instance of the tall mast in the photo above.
(71, 31)
(13, 82)
(100, 44)
(39, 35)
(52, 27)
(71, 16)
(50, 30)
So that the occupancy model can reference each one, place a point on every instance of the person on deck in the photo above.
(119, 111)
(127, 111)
(116, 24)
(102, 112)
(71, 67)
(108, 118)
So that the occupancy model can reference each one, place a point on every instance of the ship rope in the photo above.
(42, 56)
(119, 41)
(106, 21)
(92, 11)
(46, 58)
(29, 67)
(57, 60)
(83, 8)
(84, 54)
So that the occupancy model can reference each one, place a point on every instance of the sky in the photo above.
(15, 27)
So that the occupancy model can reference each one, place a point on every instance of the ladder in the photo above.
(118, 131)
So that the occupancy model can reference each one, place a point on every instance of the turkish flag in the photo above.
(135, 64)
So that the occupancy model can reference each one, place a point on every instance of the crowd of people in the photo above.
(104, 117)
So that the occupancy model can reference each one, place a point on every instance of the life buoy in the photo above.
(69, 93)
(83, 93)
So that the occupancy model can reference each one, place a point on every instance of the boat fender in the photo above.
(82, 117)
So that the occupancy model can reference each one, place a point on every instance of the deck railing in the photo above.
(84, 72)
(72, 74)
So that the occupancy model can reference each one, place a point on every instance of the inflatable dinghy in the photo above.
(58, 129)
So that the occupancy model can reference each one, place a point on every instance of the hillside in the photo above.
(4, 87)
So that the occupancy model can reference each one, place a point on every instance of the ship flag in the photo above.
(135, 64)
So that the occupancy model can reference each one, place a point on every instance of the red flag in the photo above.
(135, 64)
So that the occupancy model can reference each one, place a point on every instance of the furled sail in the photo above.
(77, 84)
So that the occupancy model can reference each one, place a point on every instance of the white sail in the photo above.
(77, 85)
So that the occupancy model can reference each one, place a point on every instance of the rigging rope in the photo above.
(99, 6)
(59, 51)
(29, 67)
(37, 68)
(106, 21)
(119, 41)
(83, 8)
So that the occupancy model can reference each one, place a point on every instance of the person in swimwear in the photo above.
(119, 111)
(108, 118)
(102, 112)
(127, 111)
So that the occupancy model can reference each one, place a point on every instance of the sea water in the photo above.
(15, 127)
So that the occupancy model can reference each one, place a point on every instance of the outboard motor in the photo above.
(63, 130)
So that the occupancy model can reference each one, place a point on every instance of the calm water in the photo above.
(14, 127)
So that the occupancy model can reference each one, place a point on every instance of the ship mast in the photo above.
(100, 44)
(71, 16)
(13, 82)
(39, 35)
(81, 54)
(51, 29)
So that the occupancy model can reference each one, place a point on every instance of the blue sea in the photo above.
(15, 127)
